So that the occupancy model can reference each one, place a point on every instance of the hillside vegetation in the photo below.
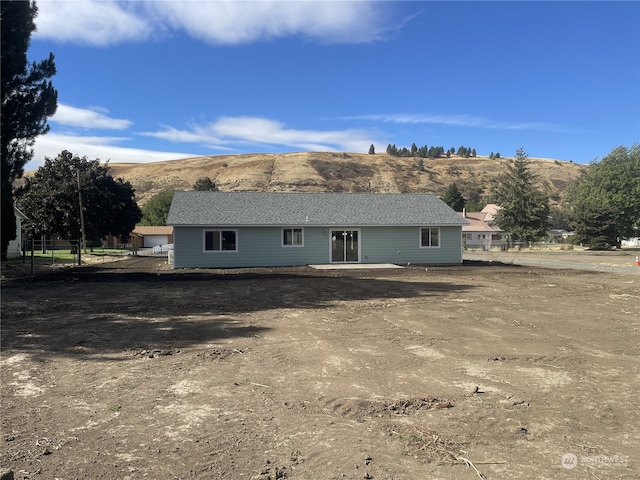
(339, 172)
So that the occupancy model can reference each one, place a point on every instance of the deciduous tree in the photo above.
(28, 98)
(604, 203)
(155, 211)
(50, 199)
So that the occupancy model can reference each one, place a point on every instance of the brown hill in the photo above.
(339, 172)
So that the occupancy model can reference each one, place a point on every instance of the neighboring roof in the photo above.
(491, 210)
(197, 208)
(152, 230)
(478, 223)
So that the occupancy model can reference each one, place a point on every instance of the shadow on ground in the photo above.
(116, 308)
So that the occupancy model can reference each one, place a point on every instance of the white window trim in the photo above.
(282, 244)
(343, 229)
(204, 240)
(429, 246)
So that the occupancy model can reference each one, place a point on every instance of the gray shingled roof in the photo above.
(196, 208)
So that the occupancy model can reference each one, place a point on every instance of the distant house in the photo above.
(15, 246)
(250, 229)
(151, 236)
(481, 231)
(559, 234)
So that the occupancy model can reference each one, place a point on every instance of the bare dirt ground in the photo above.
(129, 370)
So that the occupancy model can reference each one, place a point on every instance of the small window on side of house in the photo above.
(430, 237)
(220, 241)
(292, 237)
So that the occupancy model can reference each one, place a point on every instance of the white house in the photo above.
(481, 231)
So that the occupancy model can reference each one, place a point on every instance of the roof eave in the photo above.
(332, 225)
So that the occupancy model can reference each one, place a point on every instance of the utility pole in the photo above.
(84, 241)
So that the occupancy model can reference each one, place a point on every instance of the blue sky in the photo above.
(161, 80)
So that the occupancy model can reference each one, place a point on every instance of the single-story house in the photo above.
(151, 236)
(252, 229)
(560, 234)
(14, 249)
(481, 231)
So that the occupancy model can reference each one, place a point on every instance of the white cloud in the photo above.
(92, 22)
(199, 135)
(460, 120)
(92, 147)
(226, 134)
(261, 131)
(231, 22)
(102, 23)
(88, 118)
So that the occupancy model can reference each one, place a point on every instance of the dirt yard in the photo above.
(129, 370)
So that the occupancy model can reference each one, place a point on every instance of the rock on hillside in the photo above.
(338, 172)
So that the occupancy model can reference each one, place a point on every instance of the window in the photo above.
(220, 240)
(292, 237)
(430, 237)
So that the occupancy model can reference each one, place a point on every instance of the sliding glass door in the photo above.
(345, 246)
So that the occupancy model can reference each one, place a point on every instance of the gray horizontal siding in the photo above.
(259, 247)
(401, 245)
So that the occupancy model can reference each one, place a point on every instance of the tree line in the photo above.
(429, 152)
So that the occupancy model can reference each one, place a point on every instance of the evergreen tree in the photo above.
(205, 184)
(372, 150)
(595, 226)
(524, 209)
(28, 98)
(414, 149)
(454, 198)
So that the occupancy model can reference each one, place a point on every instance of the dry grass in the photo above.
(336, 172)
